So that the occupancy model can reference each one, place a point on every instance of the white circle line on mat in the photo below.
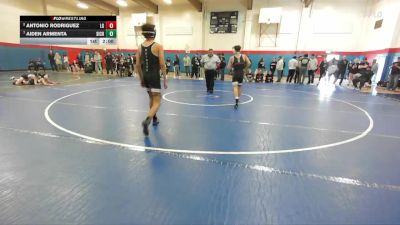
(207, 105)
(202, 152)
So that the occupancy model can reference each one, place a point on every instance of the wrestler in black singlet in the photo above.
(238, 70)
(151, 69)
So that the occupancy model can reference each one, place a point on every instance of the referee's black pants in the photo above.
(210, 74)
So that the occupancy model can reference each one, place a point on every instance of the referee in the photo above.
(210, 62)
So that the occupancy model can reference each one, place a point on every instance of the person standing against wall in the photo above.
(109, 63)
(303, 68)
(168, 64)
(322, 68)
(66, 63)
(312, 67)
(332, 69)
(240, 64)
(97, 59)
(129, 63)
(297, 74)
(149, 63)
(394, 75)
(279, 67)
(374, 69)
(93, 63)
(186, 63)
(87, 58)
(81, 60)
(176, 65)
(261, 65)
(342, 67)
(222, 66)
(195, 66)
(52, 61)
(292, 69)
(210, 62)
(58, 61)
(272, 66)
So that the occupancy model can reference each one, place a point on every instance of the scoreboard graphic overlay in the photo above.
(68, 30)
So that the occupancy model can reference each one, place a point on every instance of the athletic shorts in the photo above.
(152, 83)
(237, 79)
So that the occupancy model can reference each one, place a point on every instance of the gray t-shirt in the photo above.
(210, 63)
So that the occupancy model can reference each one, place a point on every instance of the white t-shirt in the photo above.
(293, 64)
(279, 65)
(313, 64)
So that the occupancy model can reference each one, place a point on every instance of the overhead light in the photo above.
(82, 5)
(169, 2)
(122, 3)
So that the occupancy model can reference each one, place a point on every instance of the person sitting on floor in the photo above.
(365, 77)
(259, 76)
(269, 77)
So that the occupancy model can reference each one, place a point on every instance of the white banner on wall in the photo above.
(178, 30)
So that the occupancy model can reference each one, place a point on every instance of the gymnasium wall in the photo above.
(387, 35)
(327, 25)
(175, 22)
(340, 25)
(345, 27)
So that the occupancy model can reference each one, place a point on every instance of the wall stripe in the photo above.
(381, 51)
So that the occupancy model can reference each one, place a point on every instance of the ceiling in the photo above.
(113, 2)
(71, 4)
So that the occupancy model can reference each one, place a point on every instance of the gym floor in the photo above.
(291, 154)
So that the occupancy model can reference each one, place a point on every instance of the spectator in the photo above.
(353, 69)
(80, 59)
(332, 69)
(168, 64)
(342, 66)
(195, 66)
(222, 67)
(374, 69)
(109, 63)
(93, 63)
(297, 75)
(52, 60)
(365, 77)
(261, 64)
(272, 66)
(259, 75)
(186, 63)
(98, 61)
(66, 63)
(87, 58)
(312, 67)
(176, 65)
(303, 68)
(394, 75)
(279, 67)
(292, 69)
(322, 68)
(58, 60)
